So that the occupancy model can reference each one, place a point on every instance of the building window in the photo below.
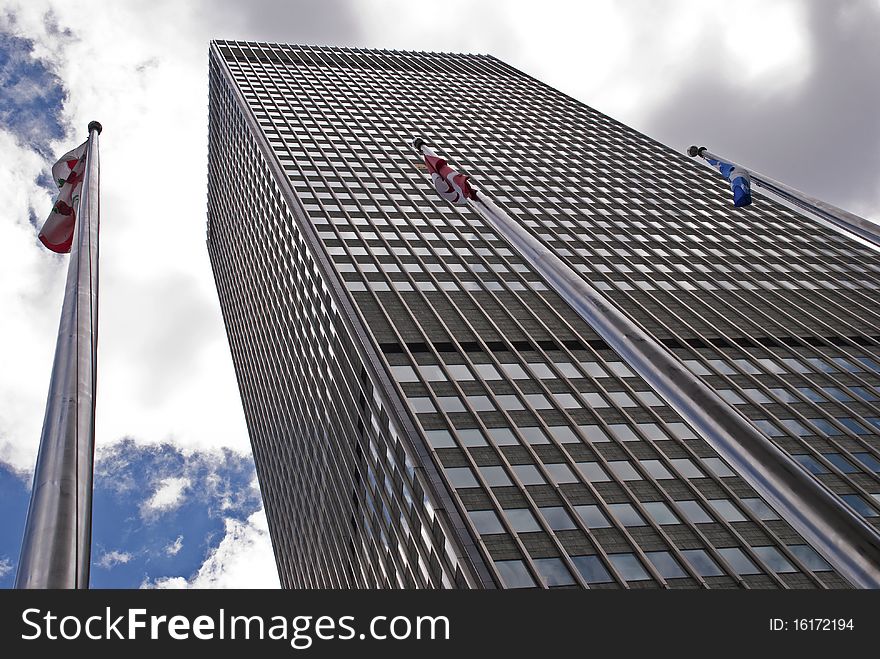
(759, 508)
(624, 470)
(594, 434)
(459, 372)
(702, 562)
(872, 463)
(810, 558)
(853, 426)
(660, 512)
(522, 520)
(563, 434)
(495, 476)
(686, 468)
(515, 371)
(480, 403)
(534, 435)
(486, 521)
(529, 475)
(859, 505)
(738, 561)
(514, 574)
(774, 559)
(593, 472)
(566, 401)
(404, 374)
(656, 469)
(451, 404)
(502, 436)
(768, 428)
(591, 569)
(840, 462)
(629, 567)
(421, 404)
(623, 432)
(811, 464)
(666, 564)
(592, 516)
(440, 439)
(461, 477)
(470, 437)
(487, 371)
(694, 512)
(509, 402)
(726, 509)
(626, 514)
(718, 467)
(553, 572)
(557, 518)
(561, 473)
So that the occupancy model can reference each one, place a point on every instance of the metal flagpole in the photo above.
(846, 541)
(56, 549)
(844, 221)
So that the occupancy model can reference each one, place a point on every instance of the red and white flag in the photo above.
(57, 231)
(453, 186)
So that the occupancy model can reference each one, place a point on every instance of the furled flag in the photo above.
(57, 231)
(740, 182)
(453, 186)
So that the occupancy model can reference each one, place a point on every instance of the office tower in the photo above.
(426, 412)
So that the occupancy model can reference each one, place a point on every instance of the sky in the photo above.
(785, 87)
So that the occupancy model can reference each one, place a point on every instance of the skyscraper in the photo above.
(425, 411)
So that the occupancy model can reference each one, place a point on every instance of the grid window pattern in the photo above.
(347, 500)
(555, 464)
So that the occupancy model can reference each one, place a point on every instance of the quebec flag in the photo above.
(740, 182)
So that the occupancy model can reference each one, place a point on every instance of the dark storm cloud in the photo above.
(821, 135)
(318, 22)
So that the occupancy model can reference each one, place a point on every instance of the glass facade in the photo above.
(425, 412)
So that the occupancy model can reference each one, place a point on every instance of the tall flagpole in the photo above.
(843, 221)
(846, 541)
(56, 549)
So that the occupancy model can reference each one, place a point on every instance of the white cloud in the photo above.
(174, 548)
(30, 278)
(169, 495)
(5, 567)
(165, 372)
(112, 558)
(243, 559)
(766, 42)
(619, 57)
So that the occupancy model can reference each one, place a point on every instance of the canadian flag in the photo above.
(453, 186)
(57, 231)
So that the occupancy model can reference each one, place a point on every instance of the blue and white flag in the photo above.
(740, 181)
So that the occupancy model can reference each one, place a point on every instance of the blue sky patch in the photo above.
(157, 511)
(32, 98)
(14, 495)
